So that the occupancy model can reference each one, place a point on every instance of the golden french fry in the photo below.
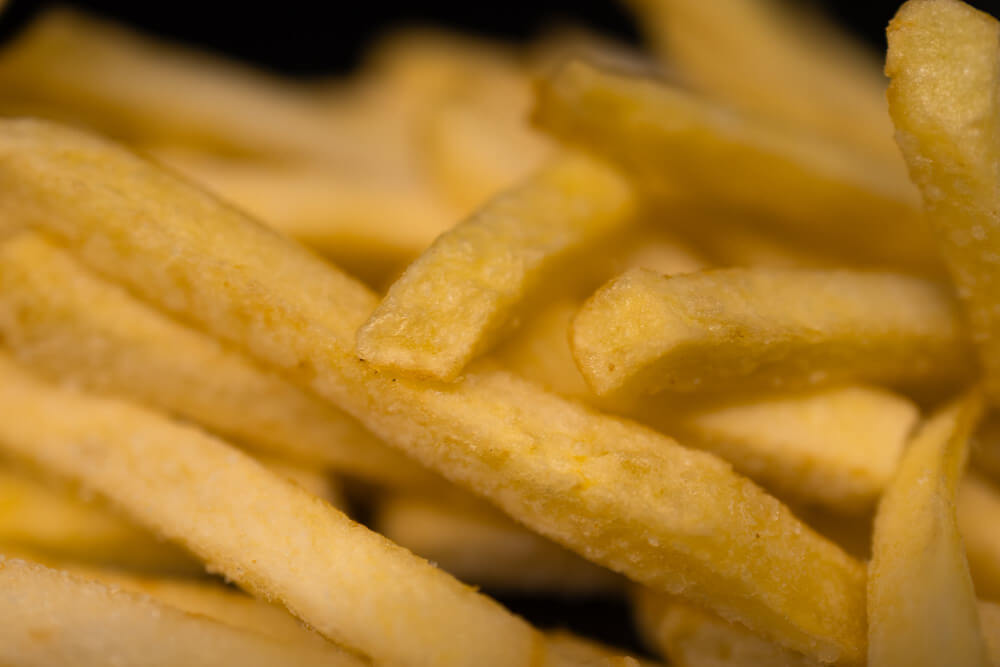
(583, 652)
(272, 538)
(482, 547)
(944, 69)
(614, 492)
(737, 329)
(921, 604)
(762, 56)
(805, 186)
(84, 70)
(978, 512)
(76, 327)
(468, 288)
(373, 225)
(47, 519)
(48, 617)
(691, 637)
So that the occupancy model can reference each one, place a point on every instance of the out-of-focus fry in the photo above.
(691, 637)
(766, 58)
(945, 72)
(267, 535)
(921, 604)
(618, 494)
(813, 190)
(44, 518)
(736, 329)
(468, 288)
(76, 327)
(372, 225)
(575, 650)
(484, 548)
(989, 623)
(978, 512)
(87, 71)
(48, 617)
(837, 447)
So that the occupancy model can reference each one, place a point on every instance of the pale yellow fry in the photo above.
(84, 70)
(48, 617)
(76, 327)
(260, 531)
(766, 58)
(374, 225)
(944, 60)
(688, 636)
(45, 518)
(805, 186)
(616, 493)
(978, 511)
(469, 287)
(921, 604)
(766, 328)
(483, 547)
(837, 447)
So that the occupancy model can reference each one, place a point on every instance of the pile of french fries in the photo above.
(712, 327)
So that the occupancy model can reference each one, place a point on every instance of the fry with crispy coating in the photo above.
(483, 547)
(48, 617)
(673, 142)
(735, 329)
(945, 71)
(921, 604)
(274, 539)
(464, 292)
(75, 327)
(617, 493)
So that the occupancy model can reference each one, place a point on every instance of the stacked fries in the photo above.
(545, 319)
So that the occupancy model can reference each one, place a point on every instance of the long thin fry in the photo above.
(463, 293)
(807, 187)
(758, 328)
(274, 539)
(48, 617)
(616, 493)
(921, 604)
(945, 72)
(76, 327)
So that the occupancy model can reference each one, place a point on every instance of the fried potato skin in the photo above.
(545, 461)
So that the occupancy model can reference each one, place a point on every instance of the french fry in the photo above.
(47, 519)
(691, 637)
(49, 617)
(75, 327)
(805, 186)
(921, 604)
(88, 71)
(764, 57)
(943, 66)
(978, 512)
(465, 291)
(482, 547)
(989, 623)
(579, 651)
(737, 329)
(272, 538)
(614, 492)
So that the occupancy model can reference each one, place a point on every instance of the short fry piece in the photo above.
(483, 547)
(464, 291)
(48, 617)
(614, 492)
(945, 70)
(766, 328)
(73, 326)
(691, 637)
(274, 539)
(921, 604)
(803, 185)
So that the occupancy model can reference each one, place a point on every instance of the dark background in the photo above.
(303, 37)
(310, 38)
